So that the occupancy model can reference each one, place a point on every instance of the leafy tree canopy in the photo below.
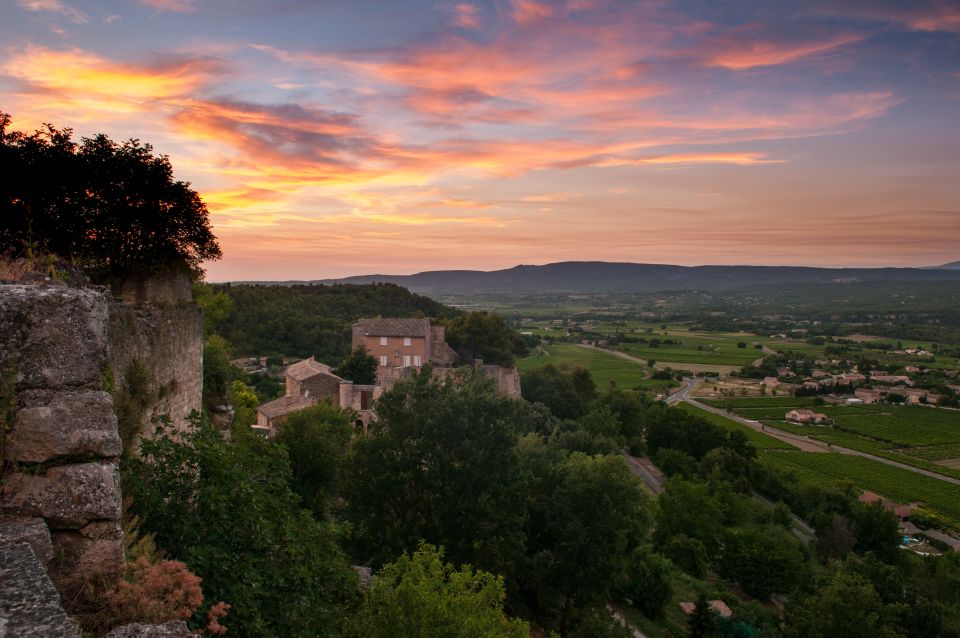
(359, 367)
(484, 335)
(110, 207)
(422, 596)
(226, 509)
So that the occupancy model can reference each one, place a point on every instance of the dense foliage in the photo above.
(226, 509)
(109, 207)
(303, 321)
(420, 595)
(484, 335)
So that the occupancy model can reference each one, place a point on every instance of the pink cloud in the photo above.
(57, 7)
(527, 12)
(464, 15)
(739, 53)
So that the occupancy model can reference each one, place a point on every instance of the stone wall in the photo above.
(60, 444)
(63, 351)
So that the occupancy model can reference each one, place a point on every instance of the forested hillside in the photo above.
(301, 321)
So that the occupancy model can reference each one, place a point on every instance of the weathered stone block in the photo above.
(33, 531)
(67, 497)
(95, 550)
(29, 605)
(63, 333)
(72, 423)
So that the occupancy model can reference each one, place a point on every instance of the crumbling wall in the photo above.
(155, 334)
(66, 355)
(59, 439)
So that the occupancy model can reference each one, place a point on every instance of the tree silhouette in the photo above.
(109, 207)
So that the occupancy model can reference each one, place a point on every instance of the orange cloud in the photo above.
(77, 76)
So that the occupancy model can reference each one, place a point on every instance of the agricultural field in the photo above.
(897, 484)
(605, 368)
(923, 437)
(759, 440)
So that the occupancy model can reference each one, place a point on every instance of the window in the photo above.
(383, 341)
(407, 341)
(406, 360)
(383, 360)
(417, 360)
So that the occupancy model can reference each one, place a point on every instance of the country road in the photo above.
(812, 445)
(663, 365)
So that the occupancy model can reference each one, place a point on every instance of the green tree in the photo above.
(316, 440)
(702, 622)
(763, 560)
(110, 207)
(435, 447)
(359, 367)
(226, 509)
(484, 335)
(689, 554)
(555, 389)
(243, 399)
(844, 604)
(215, 305)
(595, 514)
(690, 509)
(649, 582)
(422, 596)
(878, 531)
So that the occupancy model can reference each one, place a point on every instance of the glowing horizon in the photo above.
(368, 137)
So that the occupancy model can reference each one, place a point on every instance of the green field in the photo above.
(913, 435)
(759, 440)
(604, 368)
(899, 485)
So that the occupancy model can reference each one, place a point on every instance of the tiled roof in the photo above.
(285, 405)
(394, 327)
(305, 369)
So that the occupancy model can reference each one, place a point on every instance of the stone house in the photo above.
(806, 416)
(868, 395)
(400, 346)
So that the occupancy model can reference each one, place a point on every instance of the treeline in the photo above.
(303, 320)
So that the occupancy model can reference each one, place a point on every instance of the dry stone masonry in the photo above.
(64, 356)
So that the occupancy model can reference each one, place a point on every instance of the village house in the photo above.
(869, 395)
(771, 382)
(402, 343)
(806, 416)
(400, 347)
(891, 378)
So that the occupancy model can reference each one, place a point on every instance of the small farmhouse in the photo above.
(806, 416)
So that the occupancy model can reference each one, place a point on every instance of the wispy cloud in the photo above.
(56, 7)
(738, 53)
(178, 6)
(464, 15)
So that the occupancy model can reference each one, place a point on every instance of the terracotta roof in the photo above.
(285, 405)
(394, 327)
(305, 369)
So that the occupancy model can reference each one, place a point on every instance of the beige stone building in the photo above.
(400, 347)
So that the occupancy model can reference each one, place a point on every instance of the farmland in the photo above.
(604, 368)
(913, 435)
(897, 484)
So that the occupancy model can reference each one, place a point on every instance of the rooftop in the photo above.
(307, 368)
(285, 405)
(394, 327)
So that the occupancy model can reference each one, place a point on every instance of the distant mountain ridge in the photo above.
(612, 277)
(953, 265)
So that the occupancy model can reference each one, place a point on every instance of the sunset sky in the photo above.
(338, 137)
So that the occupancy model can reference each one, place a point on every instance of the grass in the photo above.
(604, 368)
(759, 440)
(899, 485)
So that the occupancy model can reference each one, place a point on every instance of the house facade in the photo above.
(403, 343)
